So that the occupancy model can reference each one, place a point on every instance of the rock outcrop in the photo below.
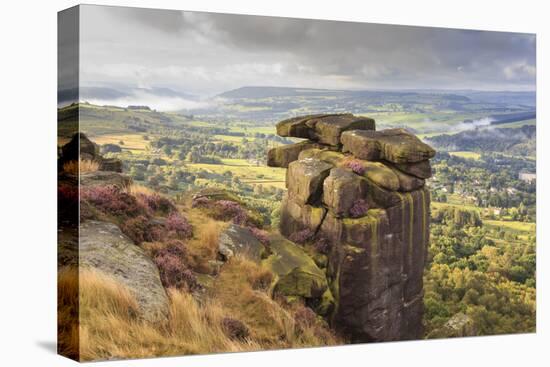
(105, 248)
(363, 193)
(82, 148)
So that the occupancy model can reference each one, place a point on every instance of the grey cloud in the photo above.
(208, 52)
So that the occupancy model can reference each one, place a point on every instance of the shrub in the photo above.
(82, 166)
(67, 196)
(322, 245)
(302, 236)
(359, 209)
(178, 224)
(142, 229)
(234, 328)
(260, 234)
(305, 318)
(173, 272)
(355, 165)
(112, 200)
(200, 202)
(156, 202)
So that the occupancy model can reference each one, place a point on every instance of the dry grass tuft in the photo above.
(83, 165)
(110, 327)
(135, 189)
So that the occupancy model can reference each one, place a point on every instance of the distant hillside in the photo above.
(267, 92)
(517, 141)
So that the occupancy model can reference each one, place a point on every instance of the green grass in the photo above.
(467, 155)
(514, 226)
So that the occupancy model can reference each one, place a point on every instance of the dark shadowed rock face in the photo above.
(367, 200)
(82, 148)
(105, 248)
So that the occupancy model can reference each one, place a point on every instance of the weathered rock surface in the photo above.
(366, 208)
(105, 248)
(304, 179)
(325, 129)
(394, 145)
(297, 274)
(296, 217)
(421, 169)
(283, 155)
(104, 178)
(341, 189)
(458, 326)
(237, 240)
(82, 148)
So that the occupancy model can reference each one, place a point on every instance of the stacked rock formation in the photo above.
(363, 192)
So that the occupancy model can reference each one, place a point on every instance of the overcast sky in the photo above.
(206, 53)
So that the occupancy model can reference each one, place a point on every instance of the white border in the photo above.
(27, 204)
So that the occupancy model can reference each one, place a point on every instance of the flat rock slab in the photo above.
(325, 129)
(394, 145)
(237, 240)
(297, 274)
(103, 178)
(105, 248)
(304, 179)
(421, 169)
(283, 155)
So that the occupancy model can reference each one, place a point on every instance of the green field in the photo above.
(467, 155)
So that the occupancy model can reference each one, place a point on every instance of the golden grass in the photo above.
(135, 189)
(110, 326)
(204, 244)
(82, 166)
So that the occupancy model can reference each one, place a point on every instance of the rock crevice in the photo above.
(363, 192)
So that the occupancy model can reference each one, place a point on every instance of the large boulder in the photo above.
(394, 145)
(304, 180)
(105, 248)
(341, 190)
(80, 147)
(237, 240)
(282, 155)
(297, 275)
(103, 178)
(326, 129)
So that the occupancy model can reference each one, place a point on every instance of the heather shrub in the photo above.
(200, 202)
(234, 328)
(355, 165)
(156, 202)
(142, 229)
(179, 225)
(67, 196)
(305, 318)
(302, 236)
(112, 200)
(359, 209)
(322, 245)
(173, 271)
(260, 234)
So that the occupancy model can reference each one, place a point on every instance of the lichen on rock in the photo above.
(362, 191)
